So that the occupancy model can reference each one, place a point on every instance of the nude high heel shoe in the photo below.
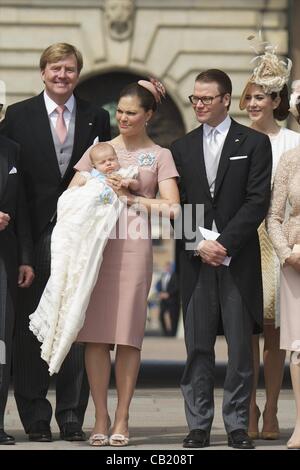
(293, 445)
(253, 424)
(273, 433)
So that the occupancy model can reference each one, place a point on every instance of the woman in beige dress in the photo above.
(284, 232)
(265, 99)
(116, 313)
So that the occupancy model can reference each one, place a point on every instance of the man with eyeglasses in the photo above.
(225, 167)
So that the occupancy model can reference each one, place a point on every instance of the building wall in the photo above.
(171, 39)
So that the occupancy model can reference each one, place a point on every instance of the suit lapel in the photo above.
(84, 121)
(42, 132)
(3, 173)
(197, 161)
(232, 142)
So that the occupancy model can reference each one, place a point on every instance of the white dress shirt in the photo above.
(51, 109)
(222, 131)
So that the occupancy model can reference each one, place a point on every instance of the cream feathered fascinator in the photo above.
(295, 100)
(270, 72)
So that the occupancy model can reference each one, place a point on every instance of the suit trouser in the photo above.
(6, 335)
(216, 294)
(31, 377)
(173, 310)
(164, 309)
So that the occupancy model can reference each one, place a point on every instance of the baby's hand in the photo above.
(124, 183)
(114, 181)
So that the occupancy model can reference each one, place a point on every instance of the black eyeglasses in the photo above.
(204, 99)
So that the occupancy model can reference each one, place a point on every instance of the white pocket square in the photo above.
(13, 170)
(238, 157)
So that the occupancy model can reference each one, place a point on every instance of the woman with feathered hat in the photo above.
(265, 99)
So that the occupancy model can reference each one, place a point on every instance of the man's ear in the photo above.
(227, 99)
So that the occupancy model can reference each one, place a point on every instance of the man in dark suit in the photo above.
(169, 308)
(225, 168)
(54, 129)
(15, 261)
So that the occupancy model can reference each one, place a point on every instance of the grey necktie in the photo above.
(212, 156)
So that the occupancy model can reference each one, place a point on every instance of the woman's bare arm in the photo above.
(77, 180)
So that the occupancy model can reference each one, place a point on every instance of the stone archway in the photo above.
(165, 127)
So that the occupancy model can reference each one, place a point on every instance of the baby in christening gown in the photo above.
(105, 162)
(87, 212)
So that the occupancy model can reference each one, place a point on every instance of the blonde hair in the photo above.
(59, 51)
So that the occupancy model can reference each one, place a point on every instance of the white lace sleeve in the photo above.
(277, 210)
(130, 172)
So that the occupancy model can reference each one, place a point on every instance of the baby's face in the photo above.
(106, 162)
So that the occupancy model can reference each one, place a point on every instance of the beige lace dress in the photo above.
(284, 230)
(285, 140)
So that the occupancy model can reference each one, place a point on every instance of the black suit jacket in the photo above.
(240, 203)
(27, 123)
(15, 239)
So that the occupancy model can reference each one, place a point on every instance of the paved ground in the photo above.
(157, 422)
(157, 418)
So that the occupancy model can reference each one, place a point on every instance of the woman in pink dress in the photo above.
(116, 313)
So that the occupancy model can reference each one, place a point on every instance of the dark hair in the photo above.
(218, 76)
(282, 111)
(145, 96)
(298, 111)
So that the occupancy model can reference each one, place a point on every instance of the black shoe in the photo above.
(72, 432)
(239, 439)
(40, 432)
(196, 438)
(6, 439)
